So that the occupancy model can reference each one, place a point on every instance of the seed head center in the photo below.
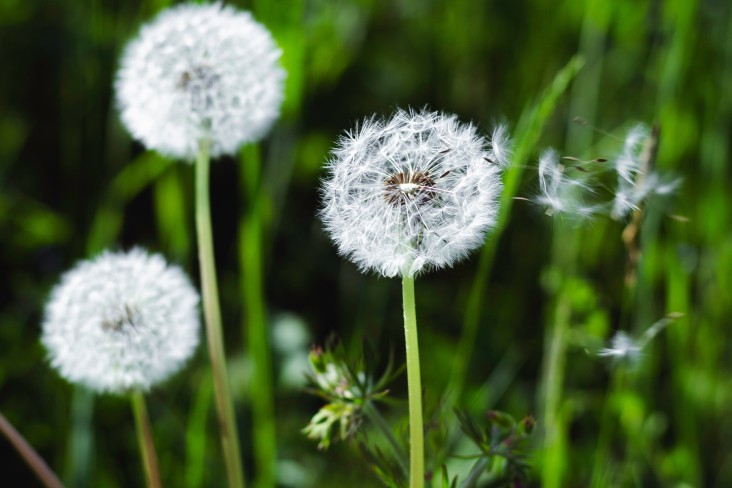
(199, 82)
(127, 318)
(401, 188)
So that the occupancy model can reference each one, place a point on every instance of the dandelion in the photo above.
(200, 72)
(121, 322)
(200, 81)
(415, 192)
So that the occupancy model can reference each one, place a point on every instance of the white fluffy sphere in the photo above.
(121, 322)
(196, 72)
(415, 192)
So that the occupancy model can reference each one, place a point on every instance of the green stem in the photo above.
(379, 421)
(224, 403)
(145, 440)
(36, 463)
(414, 385)
(261, 386)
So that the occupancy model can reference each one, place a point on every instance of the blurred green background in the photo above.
(542, 296)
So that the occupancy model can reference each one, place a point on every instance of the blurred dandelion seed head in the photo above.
(412, 193)
(121, 321)
(200, 72)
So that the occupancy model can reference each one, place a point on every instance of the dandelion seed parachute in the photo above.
(561, 194)
(121, 321)
(634, 186)
(622, 346)
(200, 71)
(415, 192)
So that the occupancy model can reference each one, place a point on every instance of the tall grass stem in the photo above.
(528, 131)
(145, 440)
(261, 391)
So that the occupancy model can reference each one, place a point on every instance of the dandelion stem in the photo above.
(145, 440)
(379, 421)
(414, 385)
(34, 460)
(224, 403)
(258, 347)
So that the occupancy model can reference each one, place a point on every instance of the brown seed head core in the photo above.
(402, 188)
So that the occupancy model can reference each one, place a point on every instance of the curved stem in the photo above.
(414, 386)
(34, 460)
(212, 312)
(145, 440)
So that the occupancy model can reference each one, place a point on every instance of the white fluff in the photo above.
(196, 72)
(411, 193)
(635, 187)
(121, 322)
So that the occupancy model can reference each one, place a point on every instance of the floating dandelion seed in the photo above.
(412, 193)
(200, 72)
(636, 180)
(561, 194)
(623, 347)
(121, 322)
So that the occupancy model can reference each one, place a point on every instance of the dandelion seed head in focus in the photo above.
(200, 72)
(415, 192)
(121, 322)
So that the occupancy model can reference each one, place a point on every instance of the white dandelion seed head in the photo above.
(415, 192)
(200, 72)
(121, 322)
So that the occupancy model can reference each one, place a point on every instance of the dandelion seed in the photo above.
(636, 181)
(412, 193)
(560, 194)
(501, 145)
(622, 346)
(121, 322)
(200, 72)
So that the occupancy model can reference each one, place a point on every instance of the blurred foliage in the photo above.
(72, 182)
